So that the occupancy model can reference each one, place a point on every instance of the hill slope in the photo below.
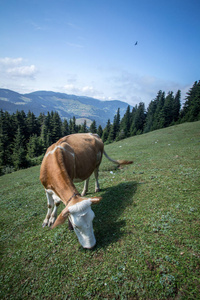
(66, 105)
(146, 226)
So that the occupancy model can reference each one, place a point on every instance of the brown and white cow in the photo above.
(72, 159)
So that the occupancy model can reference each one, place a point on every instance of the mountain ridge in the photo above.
(67, 105)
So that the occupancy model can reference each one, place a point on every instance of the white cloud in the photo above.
(14, 67)
(71, 89)
(23, 71)
(79, 90)
(8, 61)
(88, 91)
(135, 88)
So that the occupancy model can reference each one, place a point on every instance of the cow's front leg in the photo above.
(54, 214)
(53, 217)
(53, 201)
(96, 174)
(50, 204)
(85, 188)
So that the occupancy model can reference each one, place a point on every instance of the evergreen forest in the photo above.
(24, 138)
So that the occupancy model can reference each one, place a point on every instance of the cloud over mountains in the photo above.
(16, 67)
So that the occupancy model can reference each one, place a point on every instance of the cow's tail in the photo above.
(118, 162)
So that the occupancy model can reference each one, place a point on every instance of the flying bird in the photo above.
(136, 43)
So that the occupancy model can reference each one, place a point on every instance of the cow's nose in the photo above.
(90, 248)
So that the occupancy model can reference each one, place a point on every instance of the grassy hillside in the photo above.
(146, 226)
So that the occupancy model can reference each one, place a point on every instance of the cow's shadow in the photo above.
(107, 223)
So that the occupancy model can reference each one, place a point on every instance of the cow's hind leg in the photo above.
(97, 187)
(96, 175)
(85, 188)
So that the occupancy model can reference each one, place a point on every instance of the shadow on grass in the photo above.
(107, 225)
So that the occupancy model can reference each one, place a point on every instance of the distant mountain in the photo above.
(83, 108)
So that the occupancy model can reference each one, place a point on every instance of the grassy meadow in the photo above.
(147, 227)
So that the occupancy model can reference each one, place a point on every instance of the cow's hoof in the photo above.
(51, 221)
(44, 224)
(97, 190)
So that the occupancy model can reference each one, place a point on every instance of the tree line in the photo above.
(24, 138)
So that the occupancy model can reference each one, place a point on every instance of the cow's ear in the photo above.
(61, 218)
(95, 200)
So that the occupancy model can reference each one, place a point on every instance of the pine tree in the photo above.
(191, 108)
(93, 127)
(48, 121)
(158, 115)
(100, 131)
(65, 128)
(167, 115)
(72, 125)
(41, 120)
(84, 127)
(117, 123)
(49, 141)
(7, 130)
(138, 122)
(20, 121)
(150, 116)
(125, 123)
(106, 131)
(56, 132)
(114, 132)
(19, 153)
(5, 152)
(43, 136)
(176, 106)
(32, 124)
(1, 153)
(34, 146)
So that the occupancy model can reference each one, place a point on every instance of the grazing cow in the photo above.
(72, 159)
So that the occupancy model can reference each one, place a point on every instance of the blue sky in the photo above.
(87, 47)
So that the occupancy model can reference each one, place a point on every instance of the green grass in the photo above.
(146, 226)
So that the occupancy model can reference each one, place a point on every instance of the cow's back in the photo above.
(88, 151)
(74, 156)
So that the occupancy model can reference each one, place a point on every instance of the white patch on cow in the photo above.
(55, 197)
(52, 151)
(81, 217)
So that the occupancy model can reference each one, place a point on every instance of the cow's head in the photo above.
(81, 217)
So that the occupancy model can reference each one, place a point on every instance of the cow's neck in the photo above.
(68, 194)
(64, 188)
(72, 197)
